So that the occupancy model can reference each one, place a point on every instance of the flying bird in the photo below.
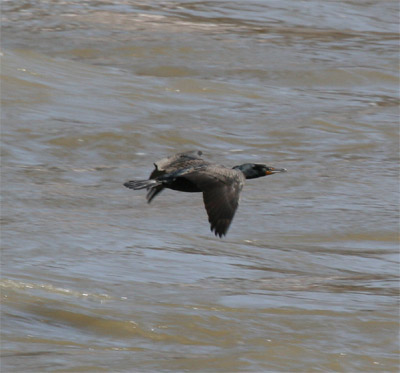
(220, 185)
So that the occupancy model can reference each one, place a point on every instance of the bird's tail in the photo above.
(153, 187)
(141, 184)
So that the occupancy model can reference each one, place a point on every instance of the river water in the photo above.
(95, 280)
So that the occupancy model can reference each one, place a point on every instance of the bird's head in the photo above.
(255, 170)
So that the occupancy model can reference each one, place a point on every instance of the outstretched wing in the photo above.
(221, 189)
(170, 164)
(174, 162)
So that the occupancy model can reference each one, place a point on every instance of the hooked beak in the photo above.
(272, 170)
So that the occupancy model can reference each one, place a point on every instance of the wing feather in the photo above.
(174, 162)
(170, 164)
(221, 189)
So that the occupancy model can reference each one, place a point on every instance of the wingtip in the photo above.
(217, 233)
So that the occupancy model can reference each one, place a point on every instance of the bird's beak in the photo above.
(272, 170)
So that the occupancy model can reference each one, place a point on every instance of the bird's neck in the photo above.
(247, 170)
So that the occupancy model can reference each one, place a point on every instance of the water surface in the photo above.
(94, 279)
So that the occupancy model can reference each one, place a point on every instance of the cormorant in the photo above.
(221, 186)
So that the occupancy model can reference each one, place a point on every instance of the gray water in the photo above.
(95, 280)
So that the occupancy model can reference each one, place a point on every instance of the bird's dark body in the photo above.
(180, 184)
(188, 172)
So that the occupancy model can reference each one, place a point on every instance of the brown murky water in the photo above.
(94, 279)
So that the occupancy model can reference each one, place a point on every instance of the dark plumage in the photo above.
(221, 186)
